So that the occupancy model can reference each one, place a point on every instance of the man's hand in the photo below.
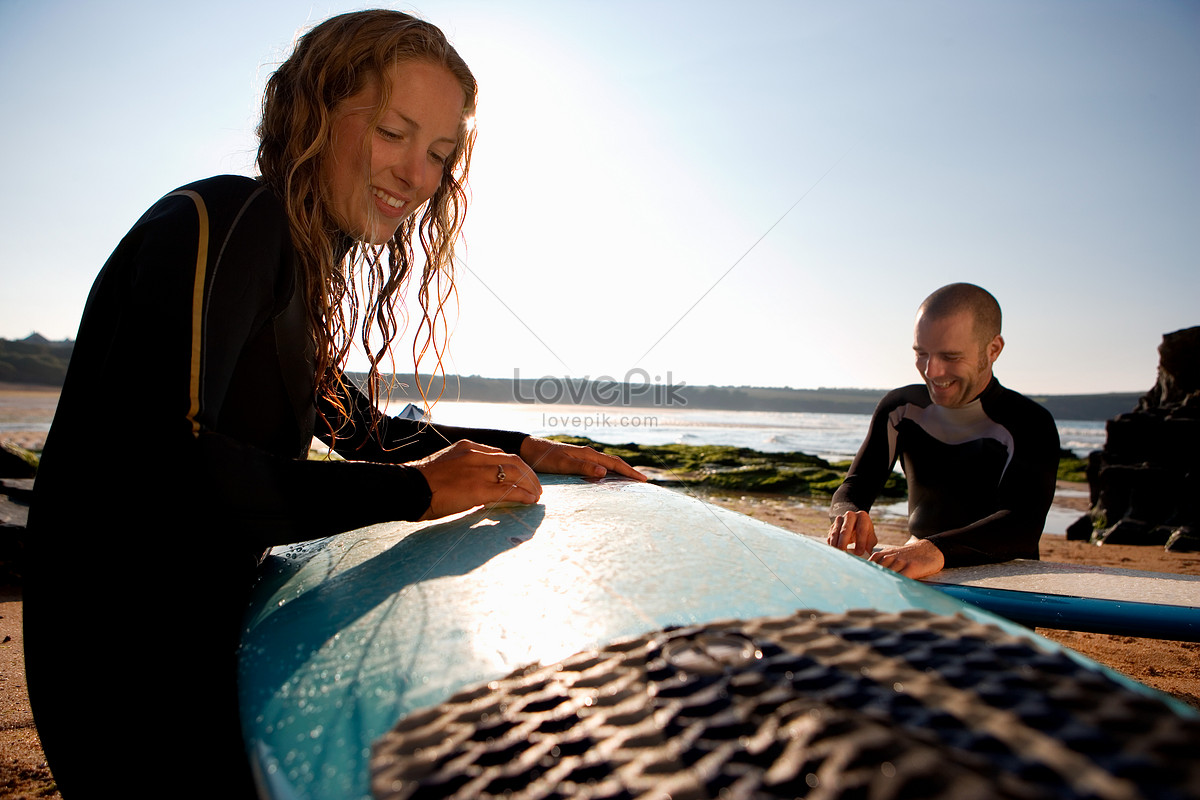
(545, 455)
(916, 558)
(853, 531)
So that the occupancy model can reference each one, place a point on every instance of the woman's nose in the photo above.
(410, 166)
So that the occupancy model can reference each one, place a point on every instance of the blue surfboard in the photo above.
(351, 636)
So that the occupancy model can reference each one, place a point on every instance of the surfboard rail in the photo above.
(1081, 597)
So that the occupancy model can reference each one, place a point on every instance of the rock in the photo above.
(14, 513)
(1128, 531)
(17, 488)
(16, 461)
(1095, 462)
(1178, 369)
(1148, 474)
(14, 501)
(1081, 529)
(1182, 540)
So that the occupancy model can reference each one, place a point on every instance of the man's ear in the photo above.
(994, 347)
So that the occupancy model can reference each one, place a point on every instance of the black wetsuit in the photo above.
(980, 478)
(176, 456)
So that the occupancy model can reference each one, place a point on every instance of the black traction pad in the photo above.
(863, 704)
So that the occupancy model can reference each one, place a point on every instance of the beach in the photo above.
(25, 413)
(1171, 667)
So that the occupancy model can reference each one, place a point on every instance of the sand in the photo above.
(1171, 667)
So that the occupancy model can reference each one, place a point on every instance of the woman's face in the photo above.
(376, 177)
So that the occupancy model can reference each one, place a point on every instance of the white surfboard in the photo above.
(1081, 597)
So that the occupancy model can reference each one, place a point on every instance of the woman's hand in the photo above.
(466, 474)
(572, 459)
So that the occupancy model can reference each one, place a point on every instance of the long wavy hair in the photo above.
(329, 64)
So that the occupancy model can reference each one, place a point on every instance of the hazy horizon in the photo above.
(401, 375)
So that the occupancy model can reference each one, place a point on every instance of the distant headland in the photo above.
(34, 360)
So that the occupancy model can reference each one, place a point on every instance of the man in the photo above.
(981, 460)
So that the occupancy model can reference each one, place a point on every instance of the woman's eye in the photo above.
(438, 157)
(392, 136)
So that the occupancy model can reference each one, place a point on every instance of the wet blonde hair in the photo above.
(329, 64)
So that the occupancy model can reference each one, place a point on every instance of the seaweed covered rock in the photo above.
(735, 469)
(17, 469)
(1145, 483)
(15, 494)
(16, 461)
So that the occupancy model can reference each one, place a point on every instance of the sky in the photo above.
(685, 192)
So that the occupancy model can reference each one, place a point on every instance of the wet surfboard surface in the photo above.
(348, 637)
(1081, 597)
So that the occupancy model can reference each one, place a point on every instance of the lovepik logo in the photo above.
(636, 389)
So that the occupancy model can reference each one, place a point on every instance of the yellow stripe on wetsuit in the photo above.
(197, 306)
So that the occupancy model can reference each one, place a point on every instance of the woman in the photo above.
(210, 351)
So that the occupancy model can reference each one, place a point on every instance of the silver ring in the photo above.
(500, 476)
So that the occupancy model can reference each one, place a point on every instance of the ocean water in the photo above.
(834, 437)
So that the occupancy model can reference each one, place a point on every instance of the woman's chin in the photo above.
(376, 235)
(373, 231)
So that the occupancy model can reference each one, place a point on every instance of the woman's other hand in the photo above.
(465, 475)
(545, 455)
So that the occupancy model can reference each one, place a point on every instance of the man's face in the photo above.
(955, 365)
